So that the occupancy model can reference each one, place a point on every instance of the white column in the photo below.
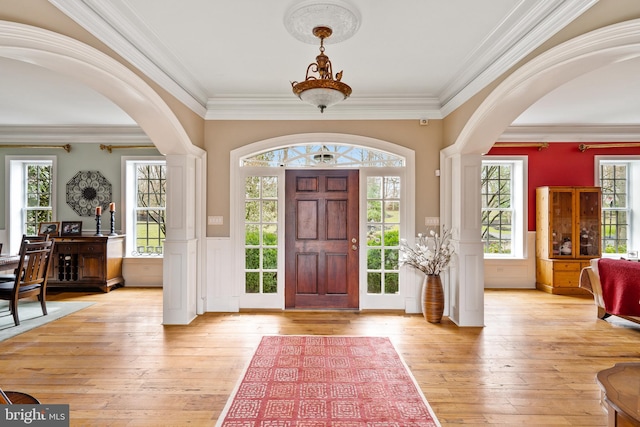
(180, 278)
(461, 209)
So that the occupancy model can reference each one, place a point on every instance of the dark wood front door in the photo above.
(321, 243)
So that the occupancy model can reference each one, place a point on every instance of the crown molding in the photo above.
(517, 36)
(290, 108)
(527, 27)
(134, 135)
(75, 134)
(118, 30)
(571, 133)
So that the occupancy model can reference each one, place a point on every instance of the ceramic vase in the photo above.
(432, 298)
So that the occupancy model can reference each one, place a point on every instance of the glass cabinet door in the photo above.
(562, 223)
(588, 229)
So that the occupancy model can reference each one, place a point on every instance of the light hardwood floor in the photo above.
(534, 363)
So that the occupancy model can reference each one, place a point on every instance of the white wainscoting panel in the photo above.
(221, 288)
(512, 273)
(142, 272)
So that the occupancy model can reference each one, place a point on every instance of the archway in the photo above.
(103, 74)
(461, 161)
(112, 79)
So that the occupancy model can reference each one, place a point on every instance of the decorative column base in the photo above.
(432, 298)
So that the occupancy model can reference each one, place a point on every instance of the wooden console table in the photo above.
(87, 261)
(621, 394)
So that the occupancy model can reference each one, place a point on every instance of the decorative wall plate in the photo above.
(87, 190)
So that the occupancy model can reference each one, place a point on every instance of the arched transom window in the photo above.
(323, 155)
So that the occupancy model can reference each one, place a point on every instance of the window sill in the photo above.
(504, 258)
(144, 257)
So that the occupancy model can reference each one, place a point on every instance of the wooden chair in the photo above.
(31, 276)
(17, 398)
(25, 239)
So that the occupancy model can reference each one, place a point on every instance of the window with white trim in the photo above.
(38, 189)
(503, 191)
(31, 196)
(616, 176)
(146, 203)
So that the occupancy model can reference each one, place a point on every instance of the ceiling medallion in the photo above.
(319, 87)
(87, 190)
(339, 15)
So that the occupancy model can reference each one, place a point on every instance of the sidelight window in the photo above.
(383, 234)
(261, 234)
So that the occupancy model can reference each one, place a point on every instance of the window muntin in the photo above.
(37, 207)
(149, 228)
(323, 155)
(504, 206)
(614, 184)
(497, 207)
(383, 234)
(261, 235)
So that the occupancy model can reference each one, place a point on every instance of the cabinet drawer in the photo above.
(66, 248)
(91, 248)
(565, 279)
(566, 266)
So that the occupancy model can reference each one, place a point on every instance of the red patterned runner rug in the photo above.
(327, 381)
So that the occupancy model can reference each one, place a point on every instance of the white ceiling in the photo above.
(235, 59)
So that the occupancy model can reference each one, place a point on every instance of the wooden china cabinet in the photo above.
(568, 228)
(87, 262)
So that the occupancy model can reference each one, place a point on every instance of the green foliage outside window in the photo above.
(374, 281)
(383, 234)
(391, 283)
(39, 189)
(261, 234)
(252, 282)
(270, 282)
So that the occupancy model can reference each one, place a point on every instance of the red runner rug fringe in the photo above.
(327, 381)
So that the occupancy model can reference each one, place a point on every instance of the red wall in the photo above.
(560, 164)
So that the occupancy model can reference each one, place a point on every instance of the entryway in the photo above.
(321, 239)
(316, 224)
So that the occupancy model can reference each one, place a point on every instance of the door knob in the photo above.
(354, 247)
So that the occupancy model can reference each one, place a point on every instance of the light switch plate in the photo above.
(432, 221)
(214, 220)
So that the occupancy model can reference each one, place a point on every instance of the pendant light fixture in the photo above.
(320, 88)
